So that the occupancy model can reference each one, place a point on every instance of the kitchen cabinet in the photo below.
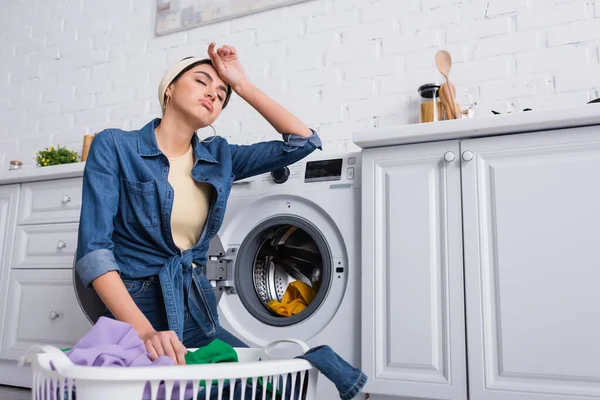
(523, 209)
(39, 213)
(413, 339)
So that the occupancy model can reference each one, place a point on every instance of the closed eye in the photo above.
(202, 82)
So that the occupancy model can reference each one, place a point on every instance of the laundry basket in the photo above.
(261, 373)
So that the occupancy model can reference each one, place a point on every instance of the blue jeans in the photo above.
(147, 295)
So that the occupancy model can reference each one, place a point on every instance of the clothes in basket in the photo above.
(114, 343)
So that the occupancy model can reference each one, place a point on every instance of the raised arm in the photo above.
(229, 68)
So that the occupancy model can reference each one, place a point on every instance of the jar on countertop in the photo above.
(14, 165)
(430, 106)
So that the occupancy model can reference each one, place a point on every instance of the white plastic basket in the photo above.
(295, 378)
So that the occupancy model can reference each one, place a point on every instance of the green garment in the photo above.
(217, 351)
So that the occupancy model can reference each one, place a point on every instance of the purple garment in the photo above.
(113, 343)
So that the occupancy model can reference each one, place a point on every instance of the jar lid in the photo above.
(429, 90)
(16, 162)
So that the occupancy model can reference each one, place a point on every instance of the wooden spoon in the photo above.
(443, 62)
(446, 101)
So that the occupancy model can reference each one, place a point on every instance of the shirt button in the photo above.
(221, 189)
(217, 210)
(212, 227)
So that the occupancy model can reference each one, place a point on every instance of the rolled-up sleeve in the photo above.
(100, 201)
(295, 141)
(258, 158)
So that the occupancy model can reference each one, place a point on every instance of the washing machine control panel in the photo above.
(319, 170)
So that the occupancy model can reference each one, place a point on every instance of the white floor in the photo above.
(13, 393)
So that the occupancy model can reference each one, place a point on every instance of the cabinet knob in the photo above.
(54, 314)
(61, 244)
(66, 199)
(449, 156)
(467, 155)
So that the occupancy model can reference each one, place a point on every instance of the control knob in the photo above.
(280, 175)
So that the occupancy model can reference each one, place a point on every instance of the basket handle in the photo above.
(272, 345)
(59, 360)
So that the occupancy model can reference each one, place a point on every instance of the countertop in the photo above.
(31, 173)
(520, 122)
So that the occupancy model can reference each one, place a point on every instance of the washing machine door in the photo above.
(290, 271)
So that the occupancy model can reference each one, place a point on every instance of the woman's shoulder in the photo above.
(104, 137)
(116, 135)
(118, 132)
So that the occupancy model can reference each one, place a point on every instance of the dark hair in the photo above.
(205, 61)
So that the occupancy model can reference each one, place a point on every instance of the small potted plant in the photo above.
(55, 156)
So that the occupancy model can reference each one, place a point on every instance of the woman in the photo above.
(154, 198)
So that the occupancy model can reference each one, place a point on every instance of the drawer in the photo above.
(45, 246)
(50, 201)
(42, 309)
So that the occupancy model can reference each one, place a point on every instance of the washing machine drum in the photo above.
(287, 255)
(283, 271)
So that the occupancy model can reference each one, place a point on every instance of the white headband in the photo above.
(172, 74)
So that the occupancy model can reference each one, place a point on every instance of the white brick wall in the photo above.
(67, 67)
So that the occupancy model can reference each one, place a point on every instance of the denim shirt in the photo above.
(125, 222)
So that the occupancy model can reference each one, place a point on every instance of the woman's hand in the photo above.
(165, 343)
(228, 65)
(230, 69)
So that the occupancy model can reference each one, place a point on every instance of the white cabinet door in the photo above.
(532, 267)
(9, 199)
(413, 339)
(42, 309)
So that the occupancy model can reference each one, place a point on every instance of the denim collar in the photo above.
(148, 147)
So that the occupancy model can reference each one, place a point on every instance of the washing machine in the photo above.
(297, 224)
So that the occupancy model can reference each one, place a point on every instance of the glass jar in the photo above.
(430, 106)
(14, 165)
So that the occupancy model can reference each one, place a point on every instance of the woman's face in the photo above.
(198, 95)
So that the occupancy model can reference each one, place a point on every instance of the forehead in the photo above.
(209, 69)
